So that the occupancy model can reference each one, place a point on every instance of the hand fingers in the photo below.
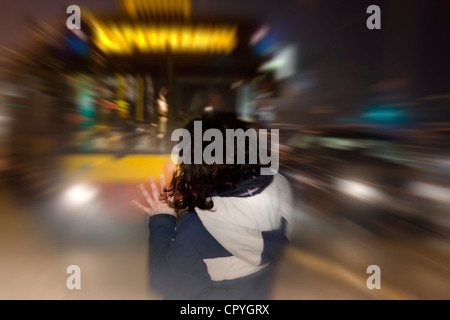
(146, 195)
(141, 207)
(163, 183)
(154, 189)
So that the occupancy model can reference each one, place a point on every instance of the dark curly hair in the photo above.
(193, 185)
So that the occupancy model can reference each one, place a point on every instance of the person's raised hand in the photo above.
(157, 201)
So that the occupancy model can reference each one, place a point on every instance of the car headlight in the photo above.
(78, 195)
(358, 190)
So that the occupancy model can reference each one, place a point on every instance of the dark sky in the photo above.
(413, 39)
(316, 22)
(16, 13)
(288, 14)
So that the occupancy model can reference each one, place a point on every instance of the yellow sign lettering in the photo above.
(128, 39)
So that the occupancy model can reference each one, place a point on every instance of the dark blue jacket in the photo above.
(224, 253)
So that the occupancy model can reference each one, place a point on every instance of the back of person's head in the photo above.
(193, 184)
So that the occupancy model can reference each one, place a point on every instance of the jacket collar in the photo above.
(247, 188)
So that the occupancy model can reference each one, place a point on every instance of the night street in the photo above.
(165, 149)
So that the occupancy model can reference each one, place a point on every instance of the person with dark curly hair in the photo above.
(216, 232)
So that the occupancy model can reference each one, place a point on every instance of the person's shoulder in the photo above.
(281, 178)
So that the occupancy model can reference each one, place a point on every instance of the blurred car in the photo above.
(367, 178)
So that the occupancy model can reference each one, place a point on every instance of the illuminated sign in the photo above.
(157, 8)
(128, 39)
